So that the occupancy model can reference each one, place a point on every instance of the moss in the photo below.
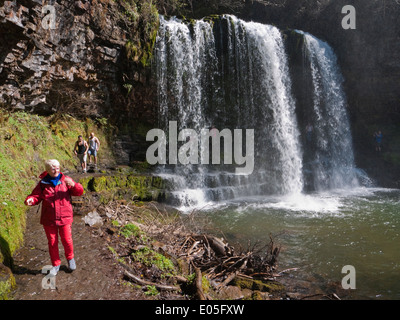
(392, 157)
(149, 257)
(145, 23)
(205, 284)
(183, 266)
(257, 295)
(129, 187)
(7, 283)
(130, 230)
(212, 18)
(258, 285)
(132, 51)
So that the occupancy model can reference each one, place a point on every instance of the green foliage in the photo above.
(130, 230)
(149, 257)
(128, 87)
(115, 223)
(143, 19)
(113, 251)
(151, 291)
(6, 286)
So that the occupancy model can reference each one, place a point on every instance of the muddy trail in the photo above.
(97, 276)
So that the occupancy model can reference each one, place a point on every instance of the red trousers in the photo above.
(66, 239)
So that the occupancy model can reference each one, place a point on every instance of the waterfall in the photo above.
(231, 74)
(331, 152)
(185, 63)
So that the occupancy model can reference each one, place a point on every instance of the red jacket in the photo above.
(56, 205)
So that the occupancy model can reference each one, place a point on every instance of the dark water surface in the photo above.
(321, 233)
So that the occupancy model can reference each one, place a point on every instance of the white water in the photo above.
(333, 161)
(235, 74)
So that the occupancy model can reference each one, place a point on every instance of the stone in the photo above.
(230, 293)
(258, 285)
(93, 219)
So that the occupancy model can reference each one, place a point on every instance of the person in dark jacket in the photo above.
(54, 190)
(80, 150)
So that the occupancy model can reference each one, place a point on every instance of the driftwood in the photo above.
(129, 273)
(148, 283)
(199, 285)
(219, 262)
(203, 254)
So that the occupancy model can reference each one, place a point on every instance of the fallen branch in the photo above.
(199, 285)
(227, 280)
(148, 283)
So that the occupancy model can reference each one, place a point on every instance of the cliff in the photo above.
(85, 58)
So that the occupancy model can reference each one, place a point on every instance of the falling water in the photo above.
(233, 74)
(331, 152)
(185, 60)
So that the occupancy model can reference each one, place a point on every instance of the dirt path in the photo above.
(96, 277)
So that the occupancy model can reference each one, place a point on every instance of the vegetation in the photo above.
(149, 257)
(130, 230)
(205, 284)
(142, 20)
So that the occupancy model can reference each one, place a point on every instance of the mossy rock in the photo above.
(129, 187)
(258, 285)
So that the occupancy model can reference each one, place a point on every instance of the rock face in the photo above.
(70, 57)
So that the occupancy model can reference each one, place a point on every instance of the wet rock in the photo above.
(258, 285)
(230, 293)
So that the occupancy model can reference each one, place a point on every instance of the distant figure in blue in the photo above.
(309, 130)
(378, 141)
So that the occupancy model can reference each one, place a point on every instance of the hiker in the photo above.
(54, 190)
(80, 149)
(94, 145)
(378, 140)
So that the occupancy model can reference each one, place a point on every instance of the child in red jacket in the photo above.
(55, 191)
